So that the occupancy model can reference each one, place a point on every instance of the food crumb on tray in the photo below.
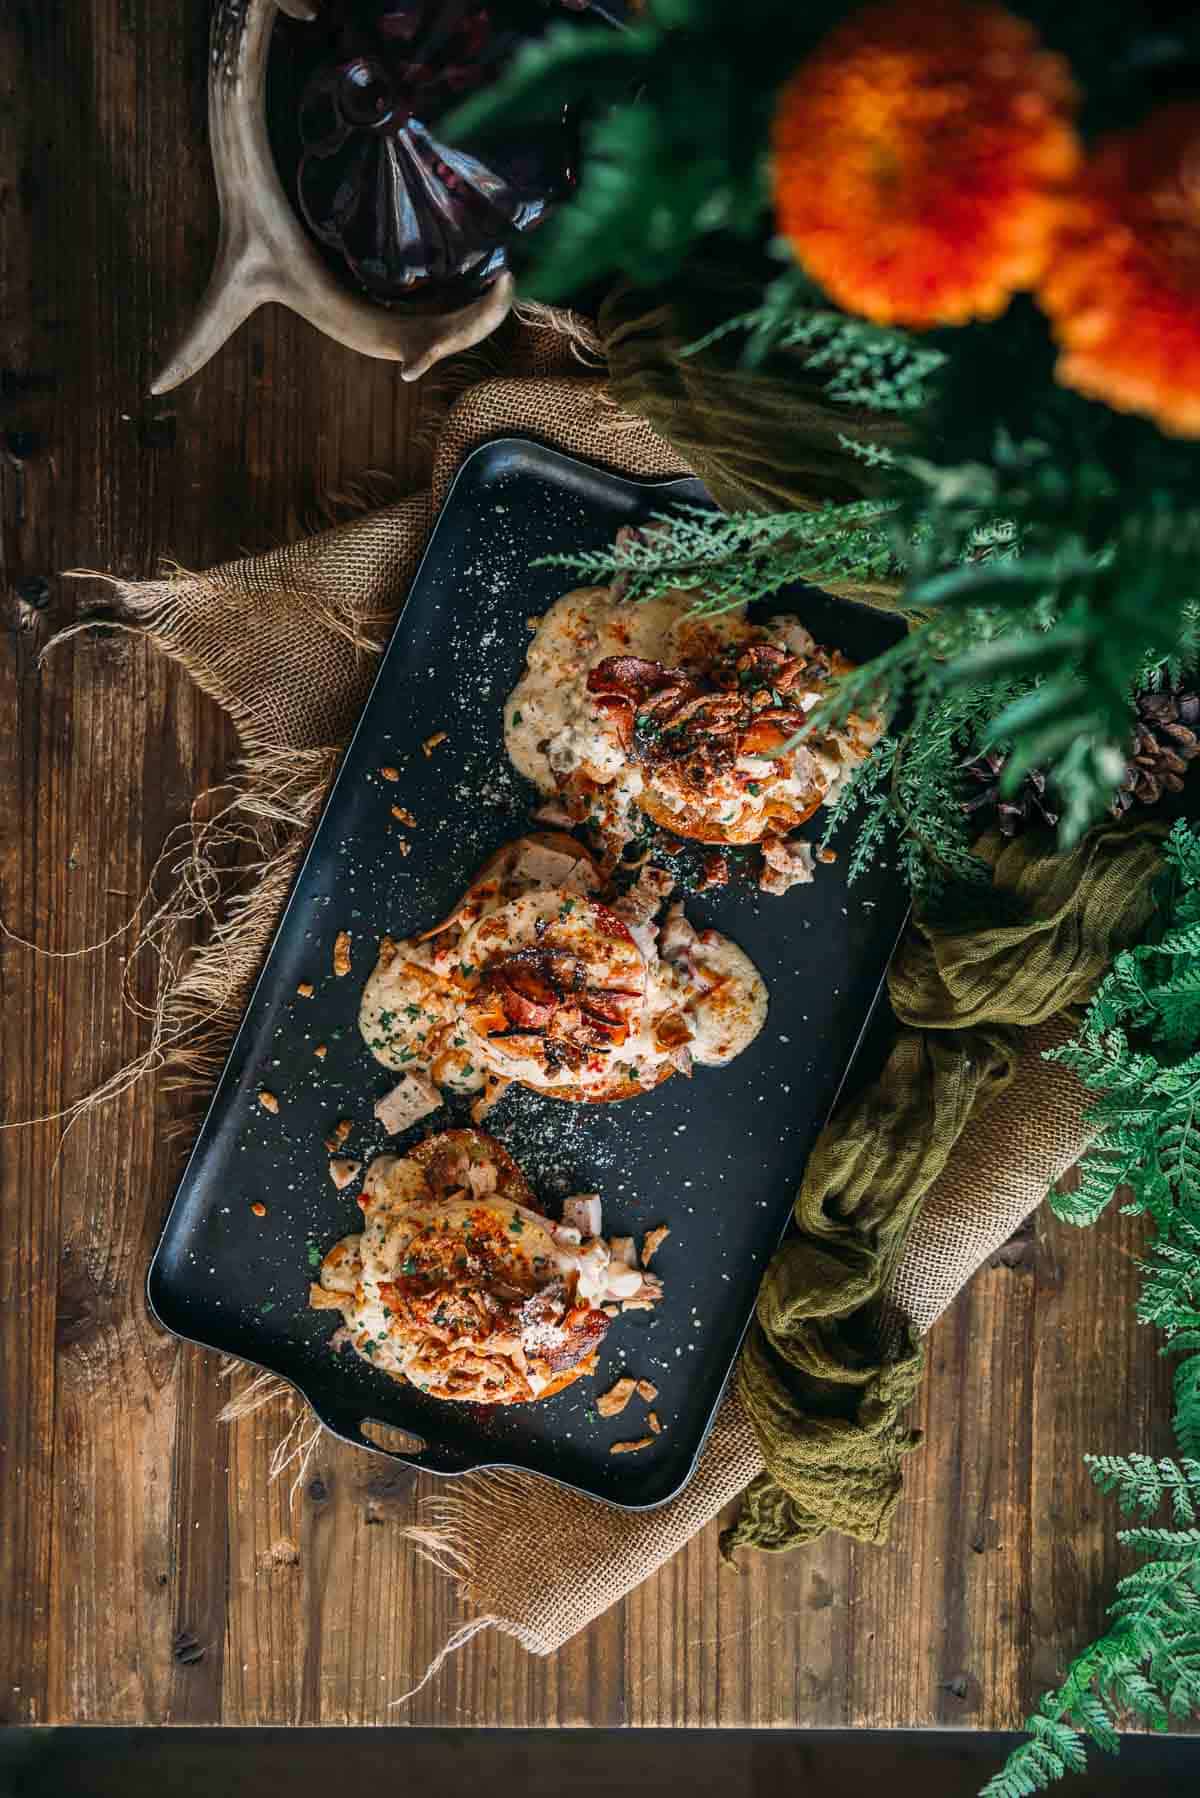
(342, 1171)
(431, 743)
(614, 1401)
(646, 1389)
(268, 1101)
(338, 1135)
(402, 813)
(341, 953)
(652, 1241)
(390, 773)
(306, 989)
(258, 1208)
(631, 1448)
(652, 1420)
(321, 1051)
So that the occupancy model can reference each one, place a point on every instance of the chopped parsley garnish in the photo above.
(754, 788)
(517, 1226)
(466, 969)
(385, 1019)
(412, 1011)
(314, 1255)
(516, 717)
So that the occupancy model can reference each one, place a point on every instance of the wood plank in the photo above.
(151, 1571)
(1100, 1388)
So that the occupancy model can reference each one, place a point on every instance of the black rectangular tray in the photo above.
(717, 1158)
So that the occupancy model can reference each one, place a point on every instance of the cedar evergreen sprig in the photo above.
(1103, 580)
(730, 561)
(867, 366)
(1138, 1051)
(968, 675)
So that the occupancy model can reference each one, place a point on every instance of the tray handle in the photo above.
(392, 1439)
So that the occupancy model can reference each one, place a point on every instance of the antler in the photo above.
(263, 253)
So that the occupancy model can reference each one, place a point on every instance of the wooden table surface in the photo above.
(148, 1571)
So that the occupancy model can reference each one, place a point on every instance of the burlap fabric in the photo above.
(287, 643)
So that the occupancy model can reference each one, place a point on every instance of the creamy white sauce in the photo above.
(552, 727)
(399, 1207)
(560, 740)
(415, 1015)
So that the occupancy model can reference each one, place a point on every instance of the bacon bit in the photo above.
(342, 1171)
(715, 870)
(338, 1135)
(306, 989)
(387, 952)
(631, 1448)
(647, 1391)
(825, 855)
(609, 924)
(672, 1031)
(258, 1208)
(404, 815)
(321, 1051)
(431, 743)
(403, 846)
(614, 1401)
(390, 773)
(268, 1101)
(652, 1241)
(652, 1420)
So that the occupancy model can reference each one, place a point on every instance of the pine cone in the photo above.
(1164, 742)
(1166, 738)
(1013, 812)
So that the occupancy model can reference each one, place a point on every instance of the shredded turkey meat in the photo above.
(460, 1285)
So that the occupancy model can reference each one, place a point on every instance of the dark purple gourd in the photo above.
(401, 214)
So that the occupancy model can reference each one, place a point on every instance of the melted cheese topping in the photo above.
(470, 1293)
(561, 740)
(547, 986)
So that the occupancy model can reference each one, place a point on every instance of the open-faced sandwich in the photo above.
(629, 711)
(460, 1285)
(538, 977)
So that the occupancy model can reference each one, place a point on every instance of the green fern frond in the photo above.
(1133, 1053)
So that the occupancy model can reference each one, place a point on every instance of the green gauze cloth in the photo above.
(826, 1402)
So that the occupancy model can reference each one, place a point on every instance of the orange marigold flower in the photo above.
(1123, 286)
(919, 156)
